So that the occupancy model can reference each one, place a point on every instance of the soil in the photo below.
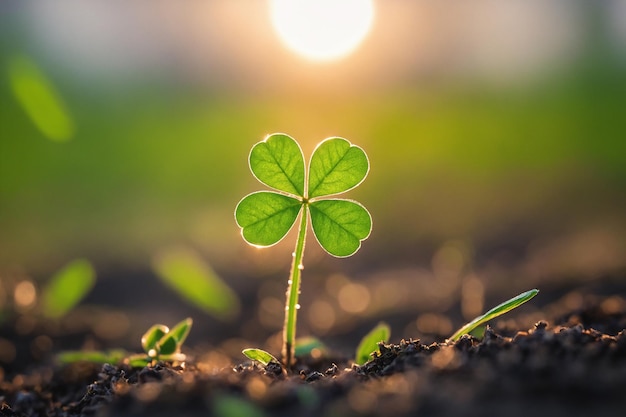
(570, 365)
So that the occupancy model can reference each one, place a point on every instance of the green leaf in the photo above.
(167, 345)
(340, 225)
(181, 330)
(336, 166)
(152, 336)
(72, 356)
(259, 355)
(265, 217)
(495, 312)
(278, 163)
(67, 287)
(370, 341)
(192, 278)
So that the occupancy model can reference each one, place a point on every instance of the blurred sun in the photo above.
(322, 30)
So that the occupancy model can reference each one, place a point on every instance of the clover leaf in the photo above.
(336, 166)
(339, 225)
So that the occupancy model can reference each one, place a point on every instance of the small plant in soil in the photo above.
(265, 217)
(369, 345)
(498, 310)
(159, 343)
(162, 344)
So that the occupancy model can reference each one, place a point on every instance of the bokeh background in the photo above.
(496, 132)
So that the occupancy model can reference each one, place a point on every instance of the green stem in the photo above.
(293, 291)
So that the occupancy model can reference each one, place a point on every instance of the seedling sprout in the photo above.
(159, 344)
(339, 225)
(369, 343)
(260, 355)
(494, 312)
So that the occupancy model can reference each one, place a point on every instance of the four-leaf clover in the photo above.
(336, 166)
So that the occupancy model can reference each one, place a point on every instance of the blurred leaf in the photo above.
(188, 275)
(230, 406)
(370, 341)
(305, 345)
(495, 312)
(67, 287)
(152, 336)
(265, 217)
(336, 167)
(259, 355)
(111, 356)
(340, 225)
(37, 96)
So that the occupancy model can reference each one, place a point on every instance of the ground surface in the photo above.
(570, 365)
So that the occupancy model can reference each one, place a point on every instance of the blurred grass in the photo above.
(154, 164)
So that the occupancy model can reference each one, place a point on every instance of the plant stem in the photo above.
(293, 291)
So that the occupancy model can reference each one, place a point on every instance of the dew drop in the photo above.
(300, 267)
(297, 306)
(293, 254)
(289, 282)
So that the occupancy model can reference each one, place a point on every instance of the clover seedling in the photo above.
(339, 225)
(498, 310)
(162, 344)
(159, 344)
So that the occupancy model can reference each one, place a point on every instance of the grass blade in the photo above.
(494, 312)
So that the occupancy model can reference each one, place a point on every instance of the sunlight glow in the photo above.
(322, 30)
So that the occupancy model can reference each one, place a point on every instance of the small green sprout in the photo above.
(162, 344)
(260, 355)
(494, 312)
(339, 225)
(159, 344)
(369, 343)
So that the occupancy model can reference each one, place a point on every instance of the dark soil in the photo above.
(573, 365)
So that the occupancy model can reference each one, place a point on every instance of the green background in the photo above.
(508, 180)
